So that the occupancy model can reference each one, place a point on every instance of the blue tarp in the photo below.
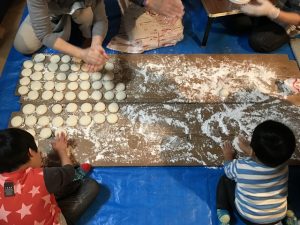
(153, 195)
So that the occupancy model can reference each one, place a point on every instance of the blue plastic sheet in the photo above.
(153, 195)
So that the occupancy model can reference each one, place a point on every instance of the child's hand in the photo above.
(228, 151)
(245, 145)
(59, 144)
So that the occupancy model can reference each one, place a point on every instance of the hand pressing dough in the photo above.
(75, 67)
(60, 131)
(52, 67)
(120, 95)
(99, 107)
(97, 85)
(108, 77)
(38, 67)
(28, 109)
(73, 86)
(96, 76)
(16, 121)
(60, 86)
(120, 87)
(70, 96)
(86, 107)
(43, 121)
(47, 95)
(41, 109)
(108, 85)
(39, 57)
(58, 96)
(28, 64)
(36, 85)
(61, 76)
(66, 59)
(30, 121)
(109, 95)
(24, 81)
(31, 131)
(36, 76)
(45, 133)
(57, 121)
(83, 95)
(99, 118)
(33, 95)
(26, 72)
(96, 95)
(49, 75)
(72, 77)
(113, 107)
(64, 67)
(85, 120)
(84, 76)
(85, 67)
(109, 66)
(56, 109)
(112, 118)
(55, 59)
(71, 107)
(23, 90)
(85, 85)
(49, 85)
(72, 121)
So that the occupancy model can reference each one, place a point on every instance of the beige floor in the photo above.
(10, 24)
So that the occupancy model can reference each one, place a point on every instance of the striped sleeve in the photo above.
(230, 169)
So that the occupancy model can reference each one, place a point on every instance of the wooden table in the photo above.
(216, 9)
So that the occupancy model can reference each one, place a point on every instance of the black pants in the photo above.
(226, 196)
(74, 204)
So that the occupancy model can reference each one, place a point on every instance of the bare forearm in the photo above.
(289, 18)
(67, 48)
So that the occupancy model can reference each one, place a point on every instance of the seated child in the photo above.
(256, 187)
(30, 194)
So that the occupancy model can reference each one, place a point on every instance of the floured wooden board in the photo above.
(174, 114)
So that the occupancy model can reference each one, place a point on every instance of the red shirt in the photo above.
(31, 204)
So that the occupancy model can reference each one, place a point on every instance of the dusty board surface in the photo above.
(165, 121)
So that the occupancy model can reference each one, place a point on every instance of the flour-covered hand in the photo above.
(263, 8)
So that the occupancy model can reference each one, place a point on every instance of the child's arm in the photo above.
(230, 163)
(60, 146)
(245, 146)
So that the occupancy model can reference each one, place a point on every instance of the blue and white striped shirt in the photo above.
(261, 191)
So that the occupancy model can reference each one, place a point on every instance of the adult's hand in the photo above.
(168, 8)
(263, 8)
(93, 56)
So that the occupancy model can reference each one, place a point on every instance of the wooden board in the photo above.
(173, 114)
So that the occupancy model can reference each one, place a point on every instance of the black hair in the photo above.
(273, 143)
(14, 148)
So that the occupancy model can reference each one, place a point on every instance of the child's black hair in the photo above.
(14, 148)
(273, 143)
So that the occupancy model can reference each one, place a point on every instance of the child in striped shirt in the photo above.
(256, 187)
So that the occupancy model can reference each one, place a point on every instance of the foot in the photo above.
(290, 218)
(82, 171)
(223, 216)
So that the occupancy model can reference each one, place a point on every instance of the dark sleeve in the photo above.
(57, 178)
(138, 2)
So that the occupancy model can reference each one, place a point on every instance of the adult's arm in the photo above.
(266, 8)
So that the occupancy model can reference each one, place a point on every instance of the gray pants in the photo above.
(26, 41)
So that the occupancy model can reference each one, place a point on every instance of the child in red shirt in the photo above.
(30, 194)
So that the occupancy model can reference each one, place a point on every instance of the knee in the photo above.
(92, 187)
(24, 46)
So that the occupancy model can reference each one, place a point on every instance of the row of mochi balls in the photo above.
(36, 117)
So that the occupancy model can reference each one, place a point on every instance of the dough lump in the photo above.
(71, 107)
(113, 107)
(28, 109)
(85, 120)
(45, 133)
(99, 107)
(86, 107)
(57, 108)
(41, 109)
(99, 118)
(109, 95)
(16, 121)
(72, 121)
(112, 118)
